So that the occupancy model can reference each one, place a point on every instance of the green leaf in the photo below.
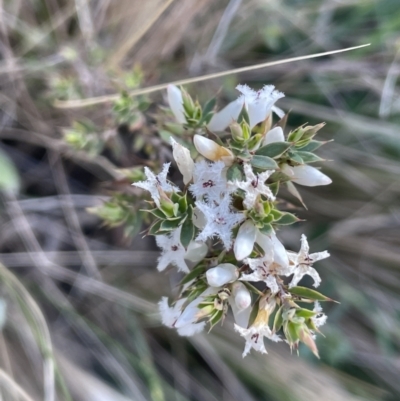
(287, 219)
(309, 157)
(266, 229)
(169, 225)
(133, 224)
(209, 106)
(153, 230)
(263, 162)
(276, 214)
(188, 229)
(309, 146)
(278, 176)
(196, 272)
(217, 317)
(274, 188)
(174, 128)
(254, 313)
(183, 205)
(294, 156)
(235, 172)
(305, 292)
(175, 197)
(278, 320)
(155, 212)
(165, 135)
(296, 135)
(292, 332)
(274, 149)
(306, 313)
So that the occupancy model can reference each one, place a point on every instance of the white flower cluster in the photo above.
(227, 228)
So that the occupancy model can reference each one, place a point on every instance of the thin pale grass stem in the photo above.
(12, 387)
(102, 99)
(38, 326)
(126, 46)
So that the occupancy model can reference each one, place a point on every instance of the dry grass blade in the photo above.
(102, 99)
(128, 45)
(38, 326)
(7, 383)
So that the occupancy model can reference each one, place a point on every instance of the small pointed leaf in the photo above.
(263, 162)
(309, 157)
(305, 292)
(274, 149)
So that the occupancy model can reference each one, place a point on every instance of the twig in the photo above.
(71, 218)
(107, 98)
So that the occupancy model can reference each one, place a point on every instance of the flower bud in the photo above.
(236, 132)
(306, 175)
(241, 295)
(306, 337)
(275, 135)
(196, 251)
(176, 103)
(245, 240)
(212, 151)
(222, 274)
(183, 160)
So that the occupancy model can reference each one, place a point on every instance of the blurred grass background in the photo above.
(78, 295)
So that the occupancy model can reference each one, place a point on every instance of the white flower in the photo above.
(259, 103)
(303, 262)
(245, 239)
(170, 316)
(183, 160)
(226, 116)
(176, 103)
(264, 269)
(222, 274)
(306, 175)
(209, 180)
(254, 337)
(154, 183)
(254, 186)
(271, 243)
(255, 334)
(212, 151)
(274, 135)
(173, 252)
(319, 319)
(220, 220)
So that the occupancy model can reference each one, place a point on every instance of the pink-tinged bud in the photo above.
(183, 160)
(306, 337)
(175, 101)
(226, 116)
(241, 295)
(222, 274)
(245, 240)
(306, 175)
(212, 151)
(275, 135)
(196, 251)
